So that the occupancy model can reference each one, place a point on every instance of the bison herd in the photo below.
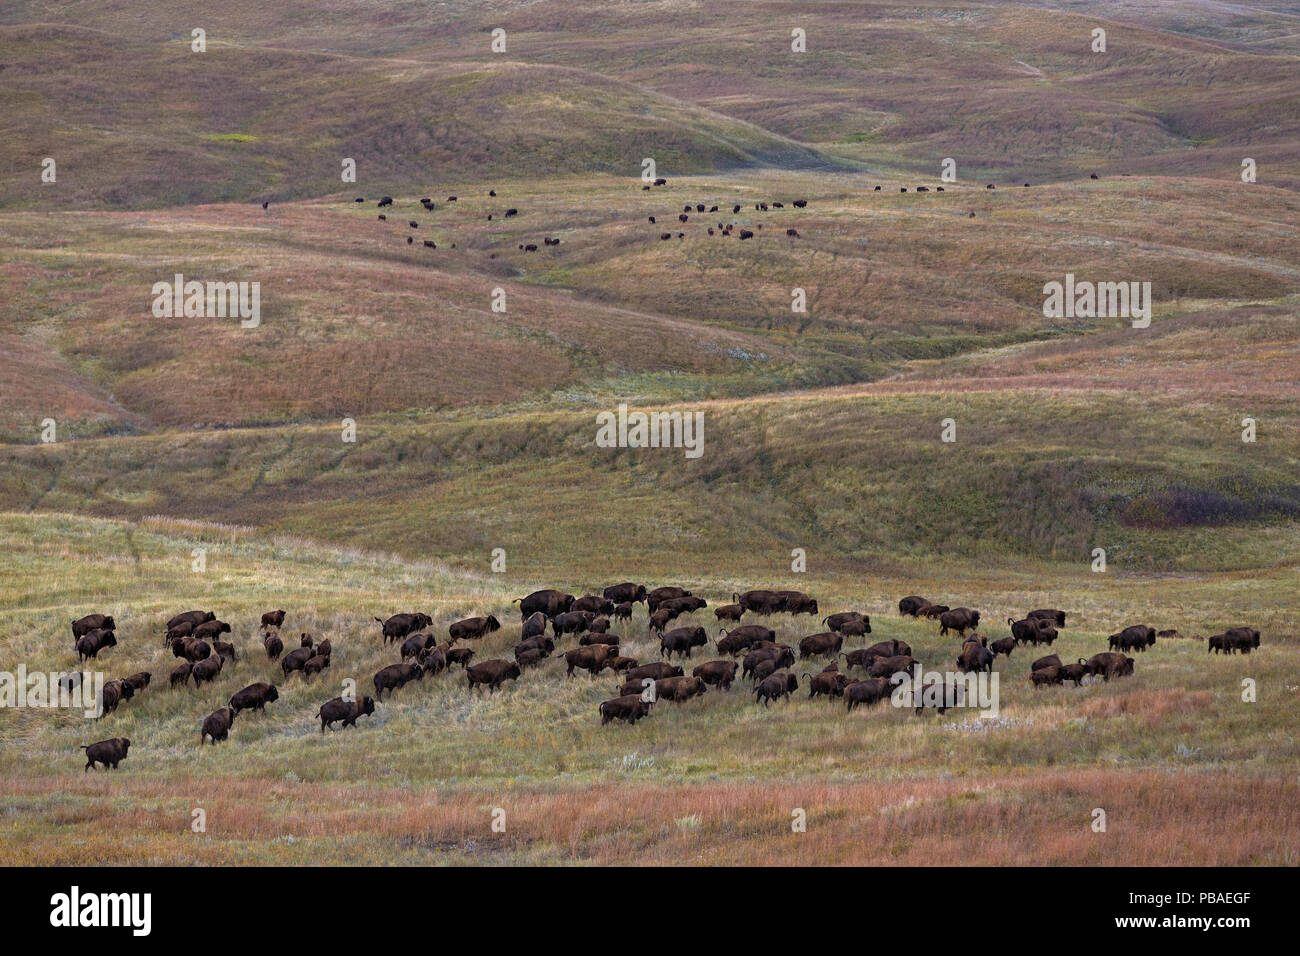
(549, 617)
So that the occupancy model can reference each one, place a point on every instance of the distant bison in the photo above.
(656, 671)
(181, 673)
(718, 673)
(591, 658)
(682, 640)
(395, 676)
(774, 687)
(1136, 637)
(92, 642)
(92, 622)
(549, 601)
(273, 619)
(207, 670)
(867, 692)
(473, 627)
(827, 644)
(295, 660)
(274, 646)
(958, 619)
(400, 625)
(629, 708)
(193, 618)
(679, 689)
(1049, 614)
(911, 605)
(626, 592)
(108, 752)
(1109, 664)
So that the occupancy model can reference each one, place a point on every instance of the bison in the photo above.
(717, 673)
(108, 752)
(92, 622)
(591, 658)
(681, 640)
(217, 725)
(775, 686)
(193, 618)
(400, 626)
(867, 692)
(254, 697)
(629, 708)
(911, 605)
(207, 669)
(625, 593)
(659, 670)
(549, 601)
(395, 676)
(345, 710)
(274, 646)
(92, 642)
(1109, 664)
(1049, 614)
(827, 644)
(679, 689)
(295, 660)
(181, 673)
(491, 674)
(958, 619)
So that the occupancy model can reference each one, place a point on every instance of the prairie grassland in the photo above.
(720, 775)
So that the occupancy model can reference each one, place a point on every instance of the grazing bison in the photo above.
(92, 642)
(746, 234)
(1242, 639)
(385, 201)
(274, 646)
(662, 594)
(345, 710)
(681, 641)
(659, 670)
(792, 232)
(549, 601)
(395, 676)
(181, 673)
(1136, 637)
(591, 658)
(295, 660)
(193, 618)
(217, 725)
(911, 605)
(109, 697)
(889, 666)
(683, 605)
(934, 611)
(629, 708)
(1027, 630)
(778, 656)
(1049, 614)
(800, 203)
(433, 660)
(1046, 676)
(660, 619)
(975, 658)
(400, 626)
(1003, 646)
(618, 663)
(1109, 664)
(742, 638)
(254, 697)
(207, 670)
(191, 648)
(594, 603)
(829, 683)
(775, 686)
(729, 612)
(491, 674)
(183, 629)
(273, 619)
(958, 619)
(718, 673)
(473, 627)
(224, 649)
(108, 752)
(679, 689)
(1075, 672)
(92, 622)
(760, 601)
(626, 592)
(534, 626)
(572, 622)
(796, 602)
(870, 691)
(827, 644)
(837, 622)
(1051, 660)
(315, 665)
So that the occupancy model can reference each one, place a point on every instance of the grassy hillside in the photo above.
(416, 782)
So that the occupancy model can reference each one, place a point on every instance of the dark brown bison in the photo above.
(1109, 664)
(618, 663)
(760, 601)
(910, 605)
(974, 658)
(1003, 646)
(217, 725)
(629, 708)
(829, 683)
(491, 674)
(572, 622)
(533, 626)
(254, 697)
(729, 612)
(207, 670)
(681, 640)
(1046, 676)
(659, 670)
(591, 658)
(665, 593)
(274, 646)
(778, 656)
(108, 752)
(718, 673)
(138, 681)
(625, 592)
(870, 691)
(1075, 672)
(432, 660)
(462, 656)
(679, 689)
(315, 664)
(92, 622)
(400, 626)
(1136, 637)
(345, 710)
(849, 623)
(594, 603)
(796, 602)
(1049, 614)
(683, 605)
(224, 649)
(192, 649)
(742, 638)
(775, 686)
(183, 629)
(109, 697)
(623, 611)
(295, 660)
(1244, 639)
(273, 619)
(210, 629)
(1051, 660)
(933, 611)
(396, 676)
(660, 619)
(958, 619)
(181, 673)
(889, 666)
(549, 601)
(599, 637)
(193, 618)
(92, 642)
(598, 625)
(473, 628)
(827, 644)
(1026, 630)
(412, 646)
